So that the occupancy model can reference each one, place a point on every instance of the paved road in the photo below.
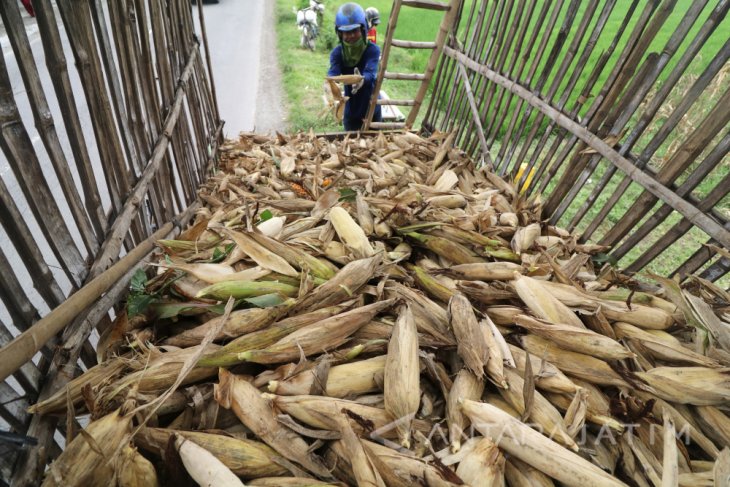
(242, 38)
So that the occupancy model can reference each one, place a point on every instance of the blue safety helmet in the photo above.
(349, 17)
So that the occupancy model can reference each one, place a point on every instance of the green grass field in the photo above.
(304, 73)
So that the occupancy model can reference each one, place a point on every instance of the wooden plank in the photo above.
(657, 189)
(405, 76)
(390, 101)
(427, 4)
(412, 44)
(58, 71)
(387, 125)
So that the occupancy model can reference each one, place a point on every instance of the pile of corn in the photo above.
(381, 312)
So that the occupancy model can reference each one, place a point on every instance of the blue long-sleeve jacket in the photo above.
(357, 106)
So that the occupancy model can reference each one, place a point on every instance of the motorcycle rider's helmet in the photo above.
(373, 16)
(349, 17)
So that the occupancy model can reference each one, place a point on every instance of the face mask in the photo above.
(352, 52)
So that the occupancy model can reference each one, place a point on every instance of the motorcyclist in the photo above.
(373, 16)
(355, 55)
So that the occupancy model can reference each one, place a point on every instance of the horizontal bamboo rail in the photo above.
(28, 343)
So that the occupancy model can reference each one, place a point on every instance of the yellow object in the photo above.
(528, 180)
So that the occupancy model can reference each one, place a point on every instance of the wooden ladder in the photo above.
(451, 8)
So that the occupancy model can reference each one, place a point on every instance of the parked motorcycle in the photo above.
(308, 20)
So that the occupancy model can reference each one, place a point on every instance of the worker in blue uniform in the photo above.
(355, 55)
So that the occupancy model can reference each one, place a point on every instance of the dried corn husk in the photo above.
(535, 295)
(87, 460)
(355, 225)
(700, 386)
(315, 338)
(401, 381)
(256, 413)
(342, 380)
(470, 337)
(203, 466)
(578, 340)
(466, 386)
(244, 457)
(483, 466)
(535, 449)
(134, 470)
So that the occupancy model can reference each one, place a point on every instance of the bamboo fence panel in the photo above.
(614, 111)
(89, 194)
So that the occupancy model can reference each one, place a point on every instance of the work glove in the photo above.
(356, 87)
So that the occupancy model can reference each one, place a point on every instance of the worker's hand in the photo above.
(356, 87)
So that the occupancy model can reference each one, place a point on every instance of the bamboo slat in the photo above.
(649, 111)
(554, 159)
(80, 32)
(412, 44)
(691, 212)
(130, 56)
(19, 152)
(497, 47)
(581, 65)
(44, 123)
(508, 146)
(58, 71)
(703, 170)
(479, 48)
(609, 98)
(486, 157)
(716, 121)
